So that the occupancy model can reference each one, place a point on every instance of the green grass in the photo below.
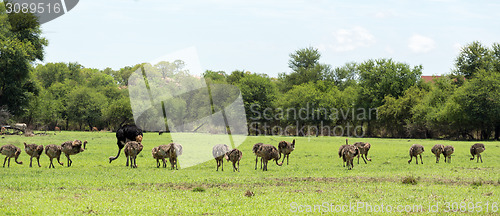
(315, 176)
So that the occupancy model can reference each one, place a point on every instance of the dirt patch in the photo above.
(475, 168)
(249, 193)
(184, 186)
(361, 179)
(291, 181)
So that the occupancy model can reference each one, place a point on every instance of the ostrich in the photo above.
(255, 150)
(131, 150)
(72, 148)
(348, 154)
(219, 151)
(341, 148)
(437, 150)
(173, 151)
(363, 150)
(476, 150)
(53, 151)
(448, 151)
(286, 148)
(267, 153)
(160, 153)
(416, 150)
(235, 157)
(34, 150)
(10, 151)
(123, 135)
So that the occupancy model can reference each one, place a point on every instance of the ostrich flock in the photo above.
(129, 138)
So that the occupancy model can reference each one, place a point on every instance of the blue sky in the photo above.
(259, 35)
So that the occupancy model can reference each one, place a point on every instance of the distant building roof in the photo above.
(429, 78)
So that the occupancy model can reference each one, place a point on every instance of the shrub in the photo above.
(476, 183)
(199, 189)
(410, 180)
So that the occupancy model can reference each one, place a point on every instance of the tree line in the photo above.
(376, 97)
(464, 104)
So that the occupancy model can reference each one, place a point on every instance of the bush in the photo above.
(476, 183)
(199, 189)
(410, 180)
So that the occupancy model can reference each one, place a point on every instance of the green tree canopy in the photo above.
(305, 68)
(235, 77)
(86, 106)
(20, 45)
(215, 76)
(384, 77)
(479, 99)
(472, 58)
(381, 78)
(258, 93)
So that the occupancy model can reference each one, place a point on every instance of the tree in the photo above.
(343, 76)
(96, 79)
(45, 110)
(51, 73)
(429, 116)
(235, 77)
(85, 106)
(310, 104)
(304, 58)
(214, 76)
(479, 100)
(121, 76)
(472, 58)
(118, 112)
(381, 78)
(496, 56)
(396, 114)
(20, 45)
(305, 68)
(258, 93)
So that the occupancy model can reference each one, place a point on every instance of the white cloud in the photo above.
(383, 14)
(350, 39)
(389, 50)
(421, 44)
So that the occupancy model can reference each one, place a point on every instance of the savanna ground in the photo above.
(315, 176)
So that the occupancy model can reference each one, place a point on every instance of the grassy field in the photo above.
(315, 176)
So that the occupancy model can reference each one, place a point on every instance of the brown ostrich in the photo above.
(476, 150)
(33, 150)
(235, 157)
(437, 150)
(416, 150)
(53, 151)
(267, 153)
(72, 148)
(10, 151)
(286, 148)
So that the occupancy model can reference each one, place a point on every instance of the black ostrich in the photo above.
(123, 135)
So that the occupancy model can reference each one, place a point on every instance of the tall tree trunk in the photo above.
(484, 135)
(497, 131)
(368, 129)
